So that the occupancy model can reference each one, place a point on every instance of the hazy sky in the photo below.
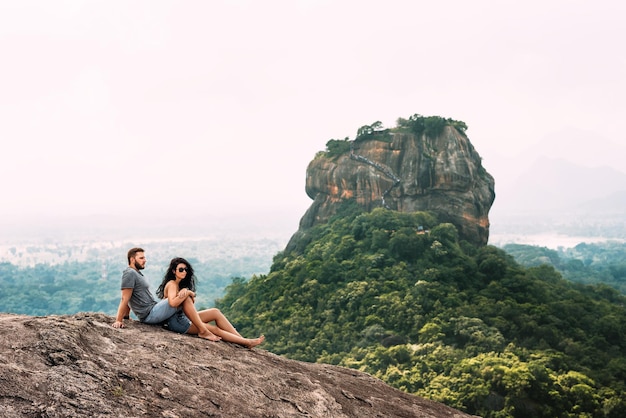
(164, 107)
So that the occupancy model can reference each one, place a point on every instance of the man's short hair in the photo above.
(133, 251)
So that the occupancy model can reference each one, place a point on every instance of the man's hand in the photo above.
(118, 324)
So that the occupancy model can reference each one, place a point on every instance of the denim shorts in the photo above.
(173, 318)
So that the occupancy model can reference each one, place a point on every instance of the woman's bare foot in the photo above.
(254, 342)
(209, 336)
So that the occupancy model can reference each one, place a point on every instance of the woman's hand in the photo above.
(185, 293)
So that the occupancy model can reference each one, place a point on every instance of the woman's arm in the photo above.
(175, 296)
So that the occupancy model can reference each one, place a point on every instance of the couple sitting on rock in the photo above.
(176, 309)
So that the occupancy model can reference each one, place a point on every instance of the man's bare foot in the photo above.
(209, 336)
(256, 341)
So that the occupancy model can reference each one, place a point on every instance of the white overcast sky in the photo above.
(179, 107)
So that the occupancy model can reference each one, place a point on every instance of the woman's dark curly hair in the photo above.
(188, 282)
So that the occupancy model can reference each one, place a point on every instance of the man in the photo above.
(136, 295)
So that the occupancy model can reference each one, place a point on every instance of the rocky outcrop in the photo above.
(79, 366)
(407, 173)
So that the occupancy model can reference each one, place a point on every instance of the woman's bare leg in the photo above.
(223, 330)
(198, 326)
(236, 338)
(214, 314)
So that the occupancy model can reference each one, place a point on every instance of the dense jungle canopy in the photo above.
(399, 296)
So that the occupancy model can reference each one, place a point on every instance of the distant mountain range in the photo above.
(550, 185)
(570, 183)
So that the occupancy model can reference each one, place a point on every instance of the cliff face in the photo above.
(79, 366)
(407, 173)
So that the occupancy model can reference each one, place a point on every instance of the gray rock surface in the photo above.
(79, 366)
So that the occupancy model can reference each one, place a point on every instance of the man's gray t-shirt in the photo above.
(142, 301)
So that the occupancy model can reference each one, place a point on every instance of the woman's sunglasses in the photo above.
(181, 269)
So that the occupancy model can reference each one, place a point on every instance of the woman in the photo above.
(179, 283)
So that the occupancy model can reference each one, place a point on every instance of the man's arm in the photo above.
(123, 310)
(127, 312)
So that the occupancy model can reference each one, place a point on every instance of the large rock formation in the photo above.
(79, 366)
(407, 173)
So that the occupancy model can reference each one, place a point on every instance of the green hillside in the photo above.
(585, 263)
(398, 296)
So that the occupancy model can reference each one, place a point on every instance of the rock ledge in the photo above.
(79, 366)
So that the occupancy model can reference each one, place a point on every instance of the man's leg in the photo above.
(160, 313)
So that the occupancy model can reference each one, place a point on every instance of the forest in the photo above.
(397, 295)
(585, 263)
(515, 331)
(73, 286)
